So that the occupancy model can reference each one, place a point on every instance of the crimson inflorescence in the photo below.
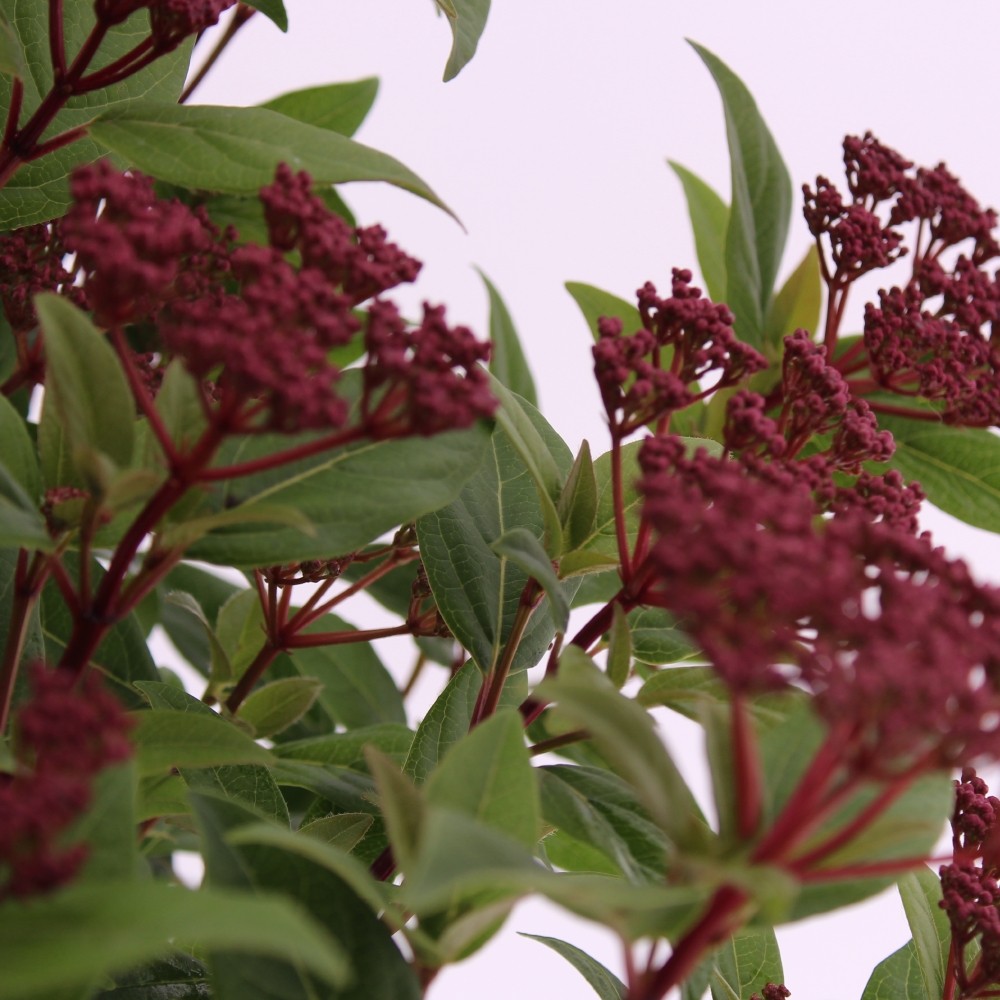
(932, 337)
(686, 338)
(773, 991)
(776, 594)
(969, 889)
(64, 735)
(257, 324)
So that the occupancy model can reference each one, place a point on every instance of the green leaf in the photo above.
(578, 500)
(86, 387)
(108, 827)
(106, 927)
(445, 723)
(606, 984)
(279, 704)
(186, 628)
(339, 107)
(920, 892)
(179, 405)
(357, 689)
(745, 964)
(176, 977)
(525, 551)
(897, 978)
(351, 495)
(477, 591)
(507, 361)
(467, 19)
(236, 150)
(958, 467)
(709, 221)
(761, 204)
(12, 60)
(657, 640)
(797, 305)
(488, 775)
(185, 533)
(545, 455)
(401, 805)
(348, 749)
(218, 658)
(274, 9)
(166, 738)
(595, 303)
(20, 459)
(598, 809)
(625, 735)
(619, 649)
(344, 832)
(39, 191)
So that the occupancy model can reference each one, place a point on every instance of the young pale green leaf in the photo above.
(279, 704)
(619, 649)
(657, 640)
(402, 806)
(236, 150)
(488, 775)
(186, 605)
(467, 19)
(745, 964)
(507, 361)
(102, 928)
(958, 467)
(898, 978)
(344, 831)
(477, 591)
(595, 303)
(709, 221)
(797, 304)
(577, 507)
(239, 628)
(524, 550)
(445, 723)
(339, 107)
(179, 405)
(351, 496)
(167, 738)
(761, 204)
(625, 735)
(86, 386)
(605, 983)
(920, 892)
(273, 9)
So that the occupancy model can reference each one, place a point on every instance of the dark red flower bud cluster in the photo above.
(31, 261)
(171, 20)
(969, 889)
(774, 594)
(64, 736)
(261, 328)
(773, 991)
(685, 339)
(918, 352)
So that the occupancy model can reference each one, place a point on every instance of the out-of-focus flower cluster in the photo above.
(931, 338)
(969, 888)
(64, 735)
(257, 325)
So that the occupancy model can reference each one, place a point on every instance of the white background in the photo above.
(551, 148)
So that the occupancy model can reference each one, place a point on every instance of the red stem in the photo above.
(746, 768)
(57, 43)
(311, 639)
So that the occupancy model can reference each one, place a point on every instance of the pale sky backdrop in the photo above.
(551, 147)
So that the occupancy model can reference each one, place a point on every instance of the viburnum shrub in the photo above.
(216, 424)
